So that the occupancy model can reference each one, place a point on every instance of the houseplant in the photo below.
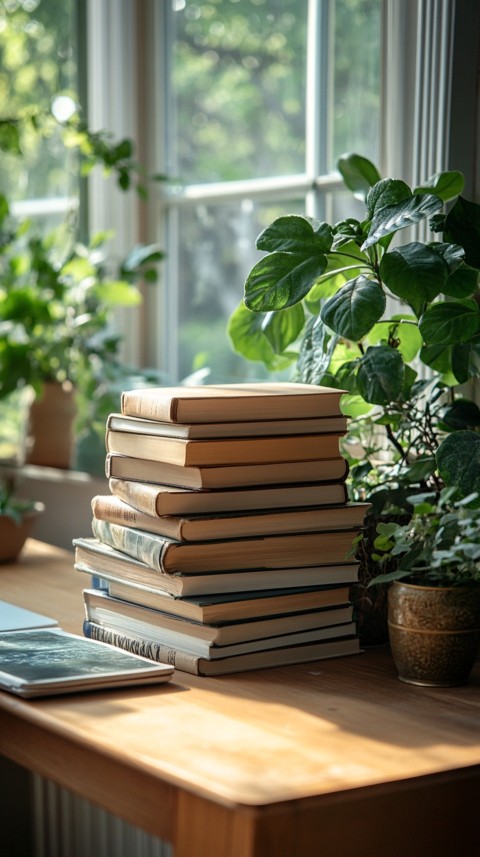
(395, 325)
(434, 600)
(58, 298)
(17, 519)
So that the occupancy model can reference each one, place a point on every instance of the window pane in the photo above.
(37, 66)
(356, 78)
(239, 84)
(217, 251)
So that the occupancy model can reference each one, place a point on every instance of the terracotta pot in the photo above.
(13, 536)
(434, 632)
(51, 420)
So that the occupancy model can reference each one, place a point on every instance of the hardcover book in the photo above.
(199, 431)
(231, 525)
(223, 451)
(219, 608)
(160, 500)
(98, 559)
(225, 476)
(277, 551)
(232, 402)
(198, 665)
(99, 605)
(147, 624)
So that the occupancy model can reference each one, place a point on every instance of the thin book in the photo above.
(200, 431)
(49, 661)
(230, 525)
(225, 476)
(161, 500)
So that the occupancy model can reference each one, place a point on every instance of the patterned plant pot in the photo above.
(434, 632)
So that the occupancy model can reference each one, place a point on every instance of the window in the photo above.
(262, 96)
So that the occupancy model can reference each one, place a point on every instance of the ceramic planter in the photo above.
(50, 436)
(434, 632)
(13, 536)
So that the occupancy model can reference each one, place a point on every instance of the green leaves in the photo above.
(287, 274)
(359, 174)
(458, 460)
(380, 376)
(265, 337)
(414, 272)
(462, 226)
(354, 310)
(445, 185)
(449, 322)
(390, 218)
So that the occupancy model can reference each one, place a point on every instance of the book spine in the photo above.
(137, 494)
(145, 547)
(154, 651)
(138, 403)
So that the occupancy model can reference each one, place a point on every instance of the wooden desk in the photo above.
(333, 759)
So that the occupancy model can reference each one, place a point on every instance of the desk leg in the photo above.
(206, 828)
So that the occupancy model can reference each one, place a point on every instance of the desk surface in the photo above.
(257, 763)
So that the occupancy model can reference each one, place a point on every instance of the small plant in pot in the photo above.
(17, 519)
(434, 594)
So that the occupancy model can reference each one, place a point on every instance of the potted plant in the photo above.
(58, 296)
(395, 325)
(434, 599)
(17, 519)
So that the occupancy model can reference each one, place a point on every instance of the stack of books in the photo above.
(225, 543)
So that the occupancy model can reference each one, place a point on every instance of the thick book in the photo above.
(278, 551)
(218, 452)
(219, 608)
(99, 604)
(199, 431)
(197, 665)
(225, 476)
(98, 559)
(232, 525)
(148, 624)
(162, 500)
(241, 402)
(47, 661)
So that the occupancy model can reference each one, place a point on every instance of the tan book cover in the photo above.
(154, 499)
(232, 402)
(231, 525)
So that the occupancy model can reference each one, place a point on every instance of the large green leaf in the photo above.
(245, 330)
(462, 414)
(450, 322)
(118, 293)
(385, 193)
(315, 353)
(445, 185)
(294, 234)
(462, 282)
(280, 280)
(414, 272)
(358, 173)
(354, 310)
(380, 376)
(283, 327)
(462, 226)
(458, 461)
(391, 218)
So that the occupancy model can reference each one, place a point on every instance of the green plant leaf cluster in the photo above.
(440, 545)
(395, 325)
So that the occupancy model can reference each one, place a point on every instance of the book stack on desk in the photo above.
(225, 542)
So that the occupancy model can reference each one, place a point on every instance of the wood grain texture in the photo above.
(256, 763)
